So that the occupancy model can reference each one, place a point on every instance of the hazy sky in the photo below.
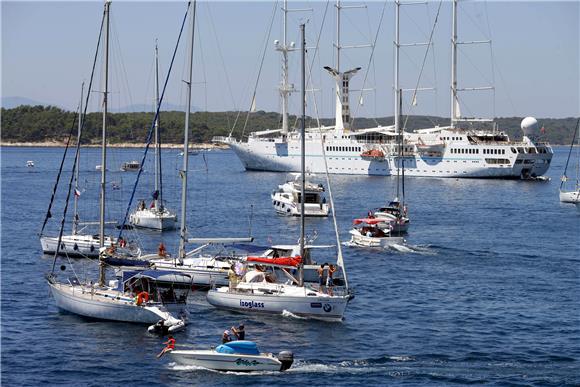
(48, 48)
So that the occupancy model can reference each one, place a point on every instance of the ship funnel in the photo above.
(342, 117)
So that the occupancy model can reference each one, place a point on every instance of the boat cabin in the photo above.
(166, 287)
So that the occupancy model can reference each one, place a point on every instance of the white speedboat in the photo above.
(236, 356)
(131, 166)
(30, 163)
(373, 232)
(286, 199)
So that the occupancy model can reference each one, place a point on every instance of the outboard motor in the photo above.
(286, 358)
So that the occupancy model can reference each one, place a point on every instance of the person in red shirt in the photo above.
(170, 346)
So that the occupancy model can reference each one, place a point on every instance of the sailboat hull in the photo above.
(77, 300)
(154, 220)
(570, 196)
(74, 245)
(315, 307)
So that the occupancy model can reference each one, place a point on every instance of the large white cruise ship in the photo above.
(435, 152)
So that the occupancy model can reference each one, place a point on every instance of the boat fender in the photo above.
(142, 297)
(286, 358)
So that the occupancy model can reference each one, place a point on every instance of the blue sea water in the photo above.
(489, 294)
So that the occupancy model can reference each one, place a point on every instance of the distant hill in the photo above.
(12, 102)
(46, 123)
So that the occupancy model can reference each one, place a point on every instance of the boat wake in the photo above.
(286, 313)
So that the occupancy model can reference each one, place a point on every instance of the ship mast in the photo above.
(157, 190)
(454, 102)
(183, 172)
(75, 224)
(285, 88)
(104, 147)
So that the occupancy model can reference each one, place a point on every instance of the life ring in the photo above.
(142, 297)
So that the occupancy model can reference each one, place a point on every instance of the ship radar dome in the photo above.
(529, 125)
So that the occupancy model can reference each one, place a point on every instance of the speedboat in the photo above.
(30, 163)
(237, 356)
(286, 199)
(131, 166)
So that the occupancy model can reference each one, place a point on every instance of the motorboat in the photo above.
(373, 232)
(286, 199)
(236, 356)
(131, 166)
(30, 163)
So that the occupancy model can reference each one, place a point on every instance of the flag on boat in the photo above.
(77, 193)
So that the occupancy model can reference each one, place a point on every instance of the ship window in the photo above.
(503, 151)
(513, 149)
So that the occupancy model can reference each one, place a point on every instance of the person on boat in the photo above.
(141, 205)
(161, 250)
(226, 336)
(239, 332)
(370, 215)
(321, 277)
(232, 276)
(169, 346)
(111, 250)
(122, 242)
(329, 278)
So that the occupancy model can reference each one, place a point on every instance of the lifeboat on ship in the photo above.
(373, 154)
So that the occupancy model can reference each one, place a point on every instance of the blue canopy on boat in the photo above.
(241, 347)
(152, 274)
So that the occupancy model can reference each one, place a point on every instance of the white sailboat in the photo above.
(156, 216)
(113, 301)
(260, 292)
(570, 193)
(77, 244)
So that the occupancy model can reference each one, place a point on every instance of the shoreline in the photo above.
(56, 144)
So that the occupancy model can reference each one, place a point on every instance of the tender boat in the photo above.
(30, 163)
(286, 199)
(237, 356)
(131, 166)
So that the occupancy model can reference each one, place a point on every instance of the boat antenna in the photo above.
(104, 149)
(183, 172)
(303, 148)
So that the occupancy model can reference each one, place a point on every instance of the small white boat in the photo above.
(131, 166)
(286, 199)
(30, 163)
(236, 356)
(373, 232)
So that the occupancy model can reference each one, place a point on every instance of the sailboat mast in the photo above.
(338, 7)
(157, 144)
(397, 90)
(183, 229)
(454, 101)
(285, 91)
(104, 146)
(75, 224)
(303, 149)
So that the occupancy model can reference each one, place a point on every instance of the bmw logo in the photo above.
(327, 308)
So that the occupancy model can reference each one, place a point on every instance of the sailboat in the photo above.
(261, 291)
(116, 301)
(78, 244)
(156, 216)
(572, 195)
